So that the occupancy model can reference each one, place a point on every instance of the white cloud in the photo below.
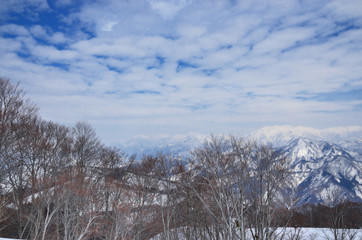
(19, 6)
(192, 32)
(168, 9)
(48, 54)
(14, 29)
(208, 65)
(62, 3)
(9, 46)
(284, 39)
(38, 31)
(58, 38)
(108, 26)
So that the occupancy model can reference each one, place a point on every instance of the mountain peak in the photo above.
(320, 166)
(320, 160)
(282, 135)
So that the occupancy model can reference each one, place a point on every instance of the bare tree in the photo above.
(55, 148)
(3, 211)
(143, 187)
(268, 172)
(110, 169)
(336, 217)
(223, 173)
(16, 115)
(86, 146)
(117, 221)
(45, 208)
(197, 221)
(80, 207)
(241, 182)
(168, 170)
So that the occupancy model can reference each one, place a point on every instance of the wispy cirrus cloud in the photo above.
(28, 7)
(154, 66)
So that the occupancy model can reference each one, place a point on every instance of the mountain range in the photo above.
(323, 172)
(325, 164)
(350, 138)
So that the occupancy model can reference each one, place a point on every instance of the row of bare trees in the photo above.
(45, 170)
(61, 182)
(238, 184)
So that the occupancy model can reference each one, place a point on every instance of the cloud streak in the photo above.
(153, 67)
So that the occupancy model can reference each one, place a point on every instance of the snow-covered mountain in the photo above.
(322, 171)
(348, 137)
(179, 145)
(324, 162)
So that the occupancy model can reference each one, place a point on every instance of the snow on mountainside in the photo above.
(321, 169)
(179, 145)
(348, 137)
(283, 134)
(323, 161)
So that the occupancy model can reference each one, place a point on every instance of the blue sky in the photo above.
(151, 67)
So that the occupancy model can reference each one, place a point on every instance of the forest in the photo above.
(60, 182)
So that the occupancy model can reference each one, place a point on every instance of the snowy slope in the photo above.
(8, 239)
(179, 145)
(349, 138)
(321, 169)
(322, 161)
(281, 135)
(300, 233)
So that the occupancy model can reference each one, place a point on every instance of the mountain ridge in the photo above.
(323, 161)
(349, 137)
(321, 169)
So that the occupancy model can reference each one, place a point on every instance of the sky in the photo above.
(150, 67)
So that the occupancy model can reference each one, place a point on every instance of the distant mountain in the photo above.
(349, 138)
(324, 162)
(321, 170)
(178, 145)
